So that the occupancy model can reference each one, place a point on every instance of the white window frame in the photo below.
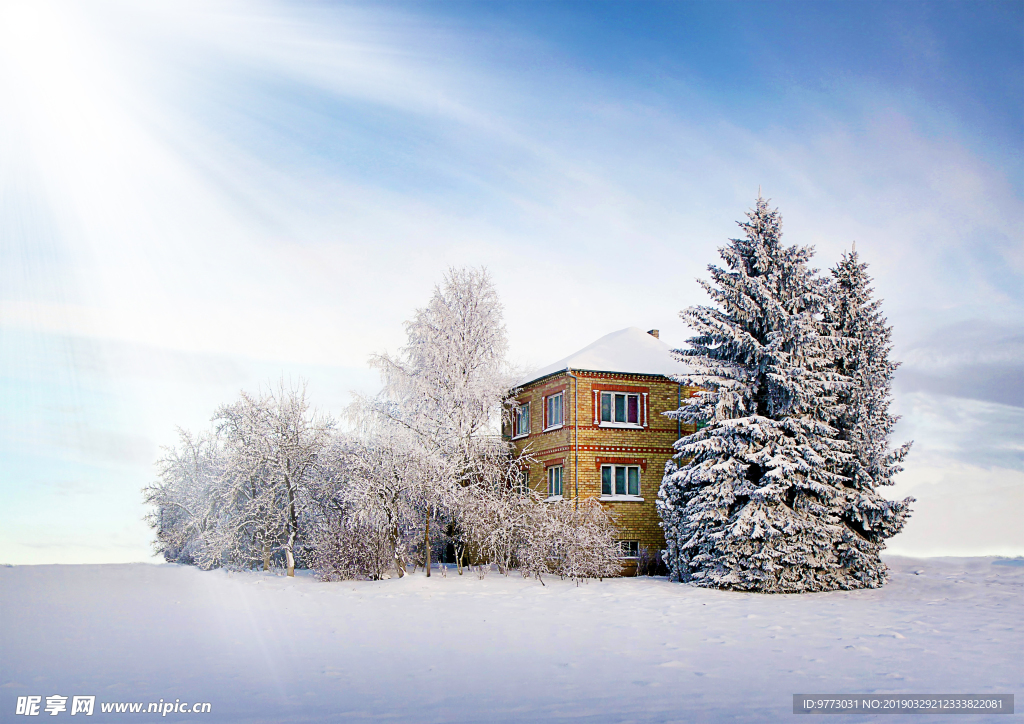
(625, 547)
(523, 482)
(560, 397)
(612, 475)
(641, 409)
(555, 486)
(520, 413)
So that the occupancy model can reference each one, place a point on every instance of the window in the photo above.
(629, 548)
(620, 480)
(521, 420)
(553, 411)
(555, 481)
(620, 408)
(523, 481)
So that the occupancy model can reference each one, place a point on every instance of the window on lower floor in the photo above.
(554, 481)
(629, 548)
(620, 480)
(523, 481)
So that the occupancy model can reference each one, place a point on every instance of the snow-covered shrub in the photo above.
(493, 522)
(350, 548)
(650, 563)
(384, 481)
(502, 524)
(758, 499)
(569, 539)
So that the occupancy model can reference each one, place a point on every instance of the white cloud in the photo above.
(966, 470)
(961, 510)
(949, 428)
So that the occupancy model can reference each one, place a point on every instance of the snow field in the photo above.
(265, 648)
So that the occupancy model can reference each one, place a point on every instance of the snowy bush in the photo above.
(569, 539)
(347, 548)
(650, 563)
(386, 476)
(760, 498)
(493, 523)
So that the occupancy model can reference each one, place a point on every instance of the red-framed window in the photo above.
(621, 406)
(521, 420)
(620, 480)
(554, 410)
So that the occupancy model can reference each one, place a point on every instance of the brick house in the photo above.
(593, 422)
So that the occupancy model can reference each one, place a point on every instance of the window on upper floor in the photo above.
(553, 411)
(521, 421)
(620, 408)
(555, 481)
(620, 480)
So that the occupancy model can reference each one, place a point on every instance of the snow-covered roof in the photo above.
(630, 350)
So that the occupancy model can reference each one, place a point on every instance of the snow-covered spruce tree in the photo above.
(864, 422)
(752, 500)
(448, 388)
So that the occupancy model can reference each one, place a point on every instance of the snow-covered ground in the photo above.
(262, 647)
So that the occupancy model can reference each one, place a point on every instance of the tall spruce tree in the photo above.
(754, 500)
(864, 422)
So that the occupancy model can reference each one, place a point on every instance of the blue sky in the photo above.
(200, 197)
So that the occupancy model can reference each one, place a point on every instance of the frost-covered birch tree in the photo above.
(753, 500)
(864, 421)
(448, 388)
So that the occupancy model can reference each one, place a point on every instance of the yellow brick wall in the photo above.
(653, 445)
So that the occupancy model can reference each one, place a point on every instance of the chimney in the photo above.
(653, 333)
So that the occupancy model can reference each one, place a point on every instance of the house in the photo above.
(593, 423)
